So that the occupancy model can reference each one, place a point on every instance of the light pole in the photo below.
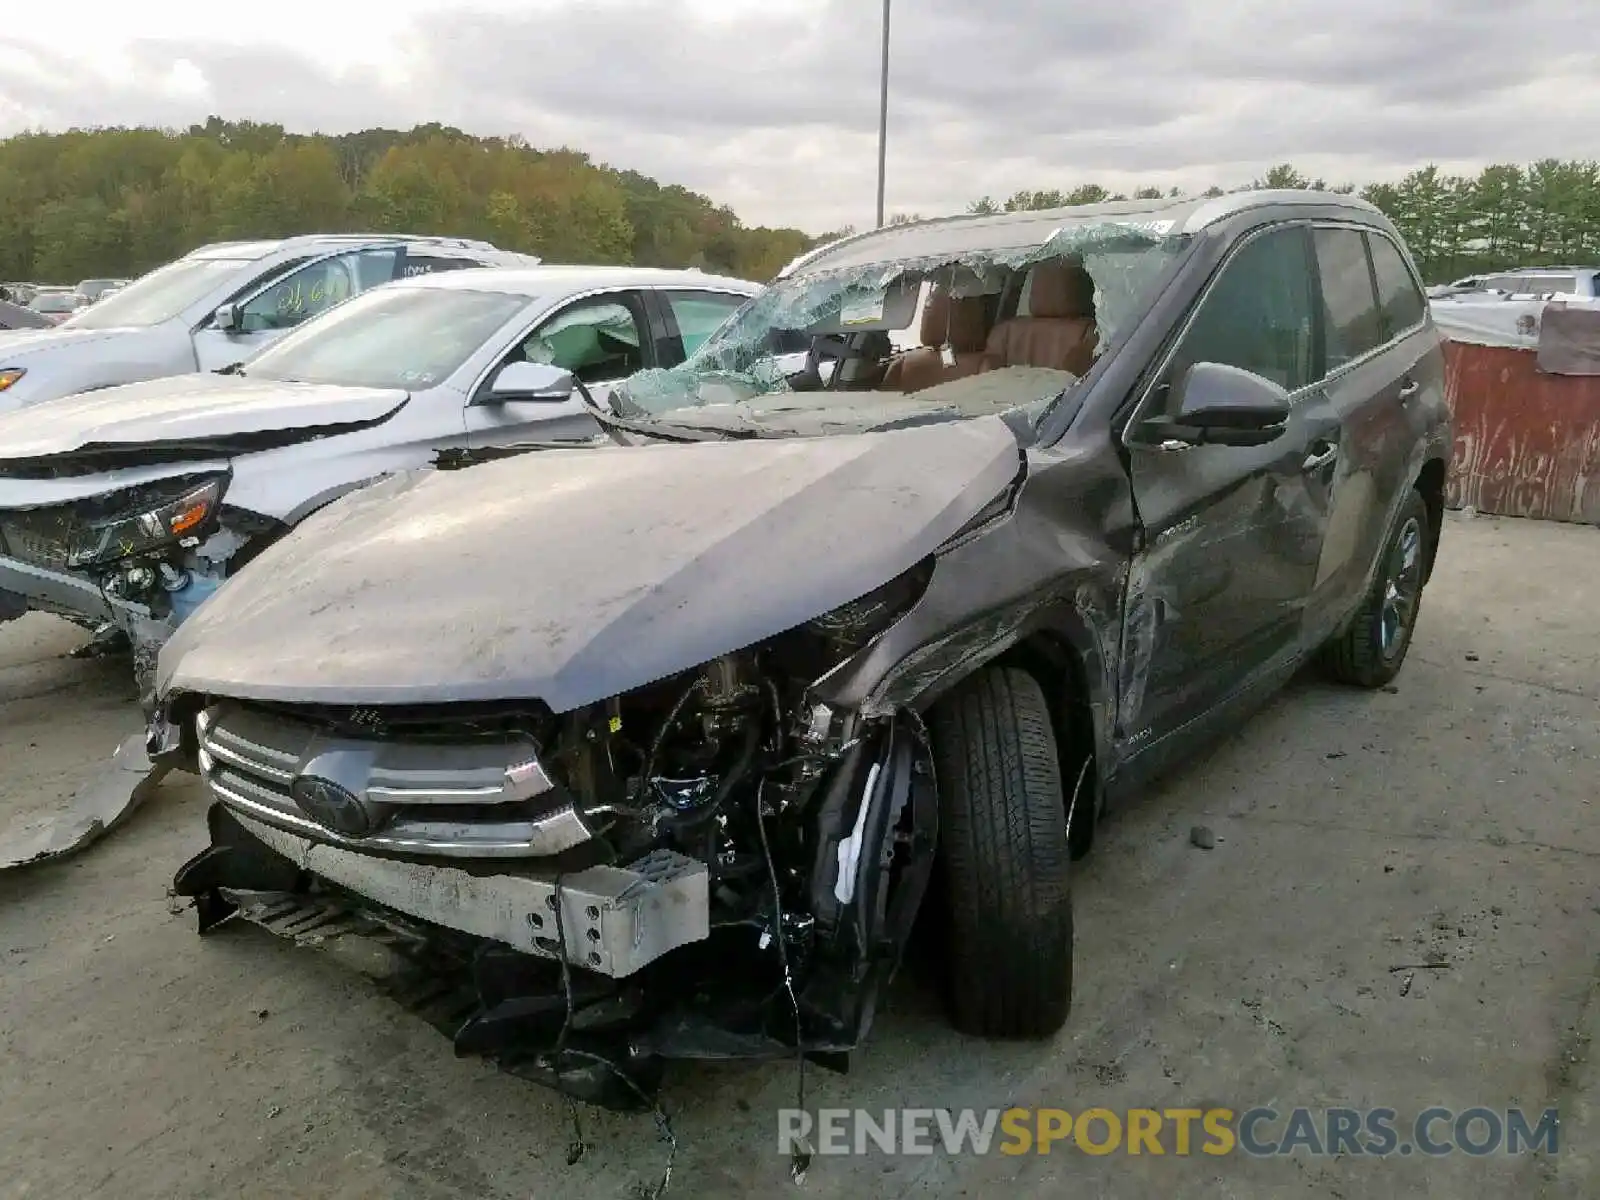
(883, 113)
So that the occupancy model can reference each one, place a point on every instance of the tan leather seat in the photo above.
(958, 323)
(1059, 330)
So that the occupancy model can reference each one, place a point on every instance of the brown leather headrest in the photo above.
(1060, 289)
(957, 322)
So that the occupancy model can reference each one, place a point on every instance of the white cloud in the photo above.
(770, 106)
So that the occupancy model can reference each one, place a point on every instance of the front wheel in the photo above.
(1370, 652)
(1005, 857)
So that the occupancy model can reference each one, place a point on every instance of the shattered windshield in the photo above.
(942, 336)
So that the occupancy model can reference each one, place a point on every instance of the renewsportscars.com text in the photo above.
(1180, 1132)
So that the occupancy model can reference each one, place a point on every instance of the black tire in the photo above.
(1004, 857)
(1370, 652)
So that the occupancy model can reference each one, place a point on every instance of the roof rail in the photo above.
(818, 251)
(363, 236)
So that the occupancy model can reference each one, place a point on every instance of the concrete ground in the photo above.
(1452, 820)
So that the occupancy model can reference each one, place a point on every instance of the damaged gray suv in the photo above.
(657, 749)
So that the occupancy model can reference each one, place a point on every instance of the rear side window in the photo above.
(1545, 285)
(1258, 314)
(1399, 297)
(1352, 325)
(700, 314)
(432, 264)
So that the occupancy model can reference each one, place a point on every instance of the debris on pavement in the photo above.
(99, 807)
(1202, 837)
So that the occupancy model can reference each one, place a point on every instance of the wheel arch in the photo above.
(1059, 647)
(1430, 482)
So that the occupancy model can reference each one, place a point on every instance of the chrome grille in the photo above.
(476, 798)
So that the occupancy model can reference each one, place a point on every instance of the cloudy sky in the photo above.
(771, 106)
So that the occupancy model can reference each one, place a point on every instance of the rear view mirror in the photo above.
(227, 318)
(531, 381)
(1215, 404)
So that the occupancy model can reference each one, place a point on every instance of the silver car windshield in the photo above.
(158, 296)
(406, 337)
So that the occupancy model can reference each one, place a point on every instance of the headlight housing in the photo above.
(190, 515)
(10, 375)
(851, 626)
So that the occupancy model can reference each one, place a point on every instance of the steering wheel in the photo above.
(825, 347)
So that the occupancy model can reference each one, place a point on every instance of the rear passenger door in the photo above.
(688, 317)
(1375, 363)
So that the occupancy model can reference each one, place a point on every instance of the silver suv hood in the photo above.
(570, 576)
(186, 409)
(19, 346)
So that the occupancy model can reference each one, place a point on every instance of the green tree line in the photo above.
(117, 202)
(1505, 216)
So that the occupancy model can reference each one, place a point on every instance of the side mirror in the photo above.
(1215, 404)
(530, 381)
(228, 318)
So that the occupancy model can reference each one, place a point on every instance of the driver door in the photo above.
(1231, 535)
(272, 310)
(600, 339)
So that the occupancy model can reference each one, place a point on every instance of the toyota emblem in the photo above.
(331, 806)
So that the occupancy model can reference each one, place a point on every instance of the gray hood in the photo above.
(570, 576)
(186, 408)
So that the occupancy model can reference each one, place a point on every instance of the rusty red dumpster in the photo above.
(1527, 438)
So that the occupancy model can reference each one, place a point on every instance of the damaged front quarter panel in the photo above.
(1045, 581)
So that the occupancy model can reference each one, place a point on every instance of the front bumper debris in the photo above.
(510, 1001)
(62, 593)
(587, 967)
(613, 920)
(105, 802)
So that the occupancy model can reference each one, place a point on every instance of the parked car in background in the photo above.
(217, 306)
(18, 316)
(1531, 283)
(92, 289)
(650, 747)
(55, 305)
(127, 507)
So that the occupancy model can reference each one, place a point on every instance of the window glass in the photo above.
(1258, 314)
(1545, 285)
(1351, 323)
(417, 263)
(1399, 297)
(408, 337)
(597, 340)
(699, 314)
(317, 287)
(160, 295)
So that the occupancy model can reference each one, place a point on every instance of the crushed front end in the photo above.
(129, 553)
(710, 866)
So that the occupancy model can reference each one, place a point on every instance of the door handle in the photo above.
(1322, 454)
(1411, 388)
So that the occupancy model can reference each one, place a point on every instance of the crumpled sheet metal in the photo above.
(121, 786)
